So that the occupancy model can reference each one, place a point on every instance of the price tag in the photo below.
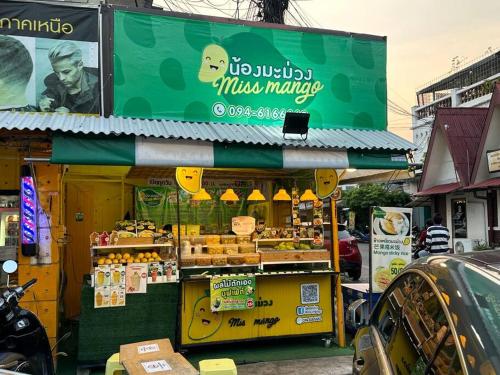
(243, 225)
(151, 348)
(156, 366)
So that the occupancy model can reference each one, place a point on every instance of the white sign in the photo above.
(493, 161)
(151, 348)
(390, 245)
(243, 225)
(156, 366)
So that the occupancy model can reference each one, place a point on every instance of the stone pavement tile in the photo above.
(341, 365)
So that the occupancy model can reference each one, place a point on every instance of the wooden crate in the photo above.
(293, 255)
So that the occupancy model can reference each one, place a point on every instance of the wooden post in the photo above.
(336, 267)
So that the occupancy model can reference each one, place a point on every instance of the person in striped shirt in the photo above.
(437, 238)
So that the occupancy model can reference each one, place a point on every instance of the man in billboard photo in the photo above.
(72, 87)
(16, 68)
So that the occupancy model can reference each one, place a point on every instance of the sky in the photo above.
(422, 36)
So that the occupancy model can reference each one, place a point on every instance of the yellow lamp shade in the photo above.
(256, 195)
(308, 196)
(282, 195)
(202, 195)
(229, 195)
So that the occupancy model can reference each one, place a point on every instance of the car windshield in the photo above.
(484, 291)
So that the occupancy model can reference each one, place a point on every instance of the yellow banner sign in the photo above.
(291, 305)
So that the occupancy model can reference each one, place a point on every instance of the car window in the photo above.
(446, 360)
(344, 234)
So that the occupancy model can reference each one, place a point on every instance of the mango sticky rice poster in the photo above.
(390, 245)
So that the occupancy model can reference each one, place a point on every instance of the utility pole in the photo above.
(273, 11)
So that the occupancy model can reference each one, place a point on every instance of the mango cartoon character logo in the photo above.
(189, 179)
(204, 323)
(326, 182)
(214, 63)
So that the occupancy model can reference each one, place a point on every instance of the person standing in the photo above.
(437, 238)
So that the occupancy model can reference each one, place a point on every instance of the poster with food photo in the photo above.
(136, 278)
(390, 248)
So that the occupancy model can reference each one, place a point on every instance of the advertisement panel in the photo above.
(201, 70)
(232, 293)
(390, 245)
(48, 58)
(291, 305)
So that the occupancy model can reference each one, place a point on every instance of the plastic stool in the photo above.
(113, 364)
(222, 366)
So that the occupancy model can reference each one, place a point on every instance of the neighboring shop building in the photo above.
(460, 174)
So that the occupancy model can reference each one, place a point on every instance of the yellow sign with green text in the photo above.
(289, 305)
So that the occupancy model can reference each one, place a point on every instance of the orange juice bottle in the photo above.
(100, 278)
(116, 277)
(114, 298)
(98, 299)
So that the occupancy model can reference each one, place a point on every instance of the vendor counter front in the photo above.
(147, 316)
(286, 304)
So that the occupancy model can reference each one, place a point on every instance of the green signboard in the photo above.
(199, 70)
(232, 293)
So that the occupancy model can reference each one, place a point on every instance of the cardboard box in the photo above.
(154, 357)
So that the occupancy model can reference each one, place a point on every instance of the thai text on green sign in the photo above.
(200, 70)
(232, 293)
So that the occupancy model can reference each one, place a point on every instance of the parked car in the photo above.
(360, 236)
(441, 315)
(350, 257)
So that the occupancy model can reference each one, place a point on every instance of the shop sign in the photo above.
(38, 43)
(390, 249)
(207, 70)
(232, 293)
(326, 182)
(243, 225)
(493, 161)
(279, 311)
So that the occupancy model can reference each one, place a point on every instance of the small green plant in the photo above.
(481, 246)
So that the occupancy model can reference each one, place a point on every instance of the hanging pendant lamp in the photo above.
(229, 195)
(256, 195)
(308, 196)
(282, 195)
(202, 195)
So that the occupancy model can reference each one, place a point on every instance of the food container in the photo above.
(198, 240)
(215, 249)
(245, 248)
(186, 247)
(228, 239)
(212, 239)
(203, 260)
(251, 258)
(192, 230)
(219, 260)
(188, 261)
(198, 249)
(230, 249)
(235, 259)
(243, 238)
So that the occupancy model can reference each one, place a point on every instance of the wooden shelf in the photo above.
(281, 239)
(142, 246)
(226, 266)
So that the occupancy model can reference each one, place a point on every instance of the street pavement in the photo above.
(341, 365)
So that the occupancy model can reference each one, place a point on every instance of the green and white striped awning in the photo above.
(159, 152)
(83, 139)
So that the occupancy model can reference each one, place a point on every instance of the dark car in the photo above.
(350, 257)
(441, 315)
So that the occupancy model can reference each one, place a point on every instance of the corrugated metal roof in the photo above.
(204, 131)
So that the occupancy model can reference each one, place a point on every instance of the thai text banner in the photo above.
(199, 70)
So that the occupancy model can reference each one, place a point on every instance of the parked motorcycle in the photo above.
(24, 345)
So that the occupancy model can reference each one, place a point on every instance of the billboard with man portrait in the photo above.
(48, 58)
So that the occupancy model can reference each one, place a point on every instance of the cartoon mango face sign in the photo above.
(189, 179)
(214, 63)
(204, 322)
(326, 182)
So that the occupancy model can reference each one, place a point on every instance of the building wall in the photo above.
(492, 143)
(441, 169)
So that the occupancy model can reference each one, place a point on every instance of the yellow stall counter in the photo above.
(285, 306)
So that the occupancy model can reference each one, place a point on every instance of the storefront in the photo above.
(146, 255)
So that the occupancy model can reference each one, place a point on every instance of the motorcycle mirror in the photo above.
(9, 266)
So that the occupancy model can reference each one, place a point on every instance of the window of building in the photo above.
(459, 218)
